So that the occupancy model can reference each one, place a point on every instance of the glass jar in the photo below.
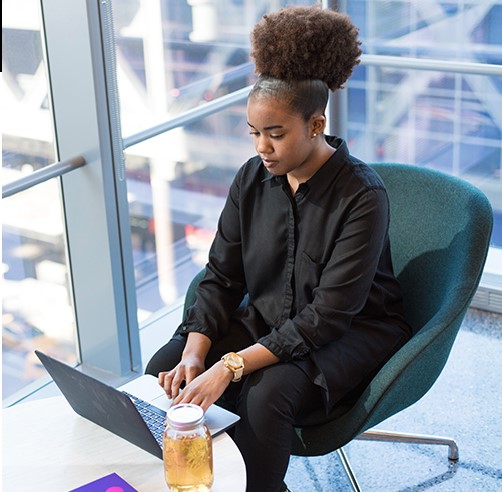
(187, 450)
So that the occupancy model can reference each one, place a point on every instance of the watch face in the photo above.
(234, 361)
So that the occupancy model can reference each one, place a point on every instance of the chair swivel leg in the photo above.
(378, 435)
(348, 470)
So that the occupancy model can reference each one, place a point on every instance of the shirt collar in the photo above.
(328, 172)
(323, 178)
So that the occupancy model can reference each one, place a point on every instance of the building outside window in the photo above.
(173, 57)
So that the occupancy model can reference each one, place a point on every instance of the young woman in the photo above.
(303, 239)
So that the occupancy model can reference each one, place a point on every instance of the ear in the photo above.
(317, 124)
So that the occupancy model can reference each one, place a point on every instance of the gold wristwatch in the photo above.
(235, 363)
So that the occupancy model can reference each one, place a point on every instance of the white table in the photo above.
(48, 447)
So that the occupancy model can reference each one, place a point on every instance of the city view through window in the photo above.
(174, 56)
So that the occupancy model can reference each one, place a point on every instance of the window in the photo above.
(447, 120)
(36, 301)
(136, 225)
(82, 243)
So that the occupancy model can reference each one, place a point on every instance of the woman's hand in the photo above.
(187, 370)
(206, 388)
(190, 366)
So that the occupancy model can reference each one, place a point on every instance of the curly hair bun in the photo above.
(299, 43)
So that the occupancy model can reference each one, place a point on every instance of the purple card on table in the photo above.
(110, 483)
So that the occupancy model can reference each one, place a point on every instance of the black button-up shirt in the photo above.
(316, 267)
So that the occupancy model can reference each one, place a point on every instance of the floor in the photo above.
(465, 403)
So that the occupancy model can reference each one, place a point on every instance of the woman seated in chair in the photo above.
(303, 236)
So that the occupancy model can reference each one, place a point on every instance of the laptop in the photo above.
(136, 411)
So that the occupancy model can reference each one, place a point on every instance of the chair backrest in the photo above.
(190, 294)
(439, 232)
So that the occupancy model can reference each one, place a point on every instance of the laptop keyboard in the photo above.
(154, 417)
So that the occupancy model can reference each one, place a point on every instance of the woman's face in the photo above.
(283, 139)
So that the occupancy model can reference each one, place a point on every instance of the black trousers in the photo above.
(268, 402)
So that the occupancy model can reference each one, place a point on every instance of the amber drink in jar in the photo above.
(187, 449)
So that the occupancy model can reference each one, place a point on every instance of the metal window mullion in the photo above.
(94, 201)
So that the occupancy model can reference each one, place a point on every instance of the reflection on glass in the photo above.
(36, 307)
(173, 56)
(449, 122)
(449, 30)
(27, 141)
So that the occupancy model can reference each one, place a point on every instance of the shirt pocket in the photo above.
(307, 279)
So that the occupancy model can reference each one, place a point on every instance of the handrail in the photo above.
(41, 175)
(189, 116)
(432, 64)
(60, 168)
(371, 60)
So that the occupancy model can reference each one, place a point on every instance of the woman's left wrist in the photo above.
(228, 374)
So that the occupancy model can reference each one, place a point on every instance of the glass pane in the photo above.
(36, 305)
(27, 140)
(462, 31)
(175, 199)
(451, 122)
(173, 56)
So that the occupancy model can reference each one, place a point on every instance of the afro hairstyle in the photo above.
(299, 43)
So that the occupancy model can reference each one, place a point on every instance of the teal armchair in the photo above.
(440, 231)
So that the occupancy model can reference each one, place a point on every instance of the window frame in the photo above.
(84, 102)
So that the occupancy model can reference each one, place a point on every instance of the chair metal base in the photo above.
(380, 435)
(348, 470)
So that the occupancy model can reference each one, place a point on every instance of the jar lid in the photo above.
(185, 416)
